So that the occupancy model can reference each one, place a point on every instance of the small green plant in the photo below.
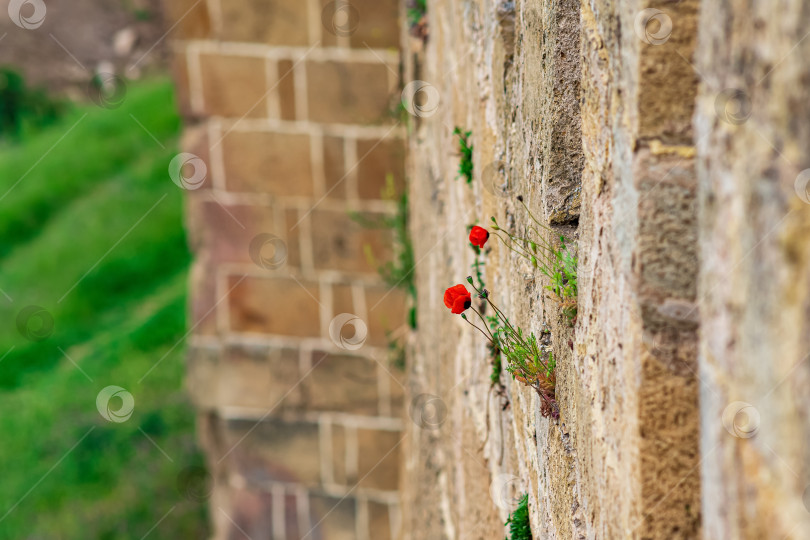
(465, 166)
(417, 17)
(559, 264)
(518, 522)
(525, 360)
(23, 109)
(398, 272)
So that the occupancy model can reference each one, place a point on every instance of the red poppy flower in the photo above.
(457, 298)
(478, 236)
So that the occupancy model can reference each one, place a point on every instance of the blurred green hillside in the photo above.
(91, 232)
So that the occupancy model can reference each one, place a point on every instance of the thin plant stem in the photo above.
(474, 326)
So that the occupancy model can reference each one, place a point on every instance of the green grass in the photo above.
(465, 149)
(518, 522)
(91, 230)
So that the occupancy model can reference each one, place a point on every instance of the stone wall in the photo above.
(586, 109)
(288, 131)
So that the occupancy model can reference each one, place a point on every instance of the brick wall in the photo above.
(288, 131)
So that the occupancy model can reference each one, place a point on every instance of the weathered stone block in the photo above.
(233, 86)
(378, 459)
(333, 518)
(277, 305)
(273, 450)
(280, 22)
(267, 162)
(341, 242)
(342, 383)
(378, 159)
(348, 92)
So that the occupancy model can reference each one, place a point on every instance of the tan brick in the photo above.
(334, 165)
(179, 70)
(387, 312)
(203, 298)
(339, 454)
(233, 86)
(379, 521)
(275, 163)
(342, 383)
(250, 515)
(280, 22)
(396, 384)
(342, 300)
(286, 89)
(378, 458)
(258, 376)
(378, 159)
(333, 518)
(202, 365)
(377, 26)
(348, 93)
(293, 231)
(338, 242)
(274, 450)
(192, 18)
(227, 230)
(276, 305)
(328, 37)
(196, 141)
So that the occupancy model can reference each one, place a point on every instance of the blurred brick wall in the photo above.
(288, 130)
